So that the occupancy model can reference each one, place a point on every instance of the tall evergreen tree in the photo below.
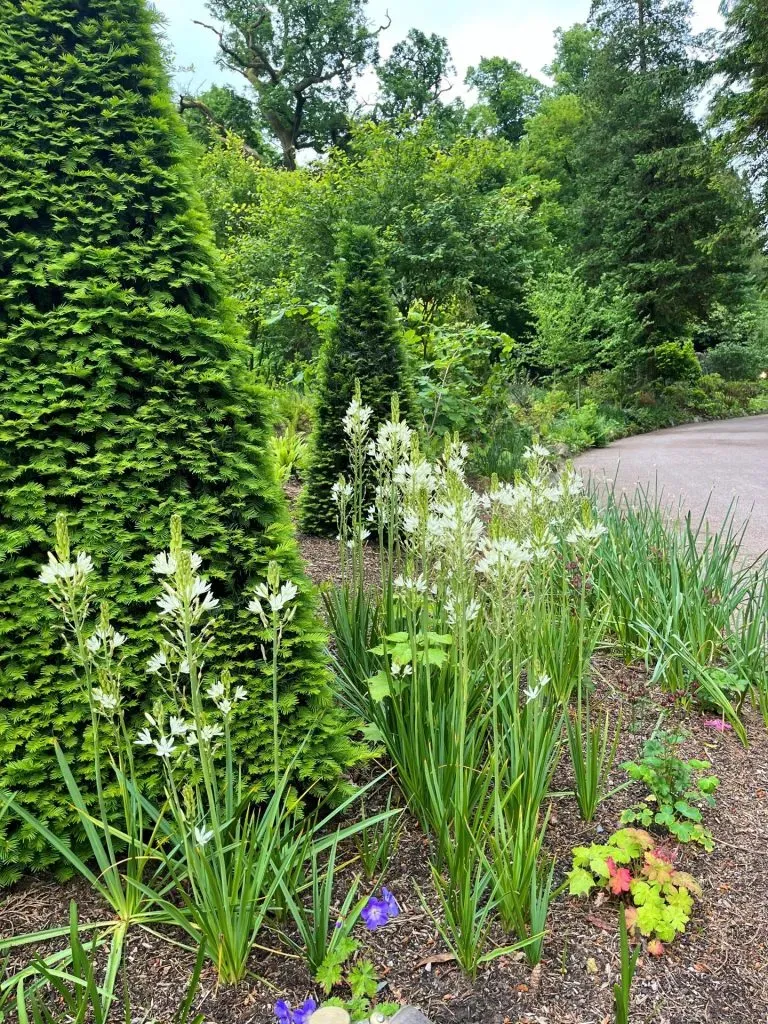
(741, 104)
(660, 212)
(122, 399)
(365, 345)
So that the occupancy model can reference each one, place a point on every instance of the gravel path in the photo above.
(704, 465)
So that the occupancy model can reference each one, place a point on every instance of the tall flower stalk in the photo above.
(485, 630)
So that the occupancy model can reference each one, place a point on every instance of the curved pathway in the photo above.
(704, 465)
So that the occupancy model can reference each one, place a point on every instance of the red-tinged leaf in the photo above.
(657, 869)
(656, 948)
(619, 879)
(683, 880)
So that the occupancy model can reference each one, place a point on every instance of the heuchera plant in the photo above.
(661, 896)
(677, 791)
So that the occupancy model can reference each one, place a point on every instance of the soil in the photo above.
(716, 972)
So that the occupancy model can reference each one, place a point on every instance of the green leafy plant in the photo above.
(363, 983)
(628, 863)
(218, 855)
(466, 893)
(677, 790)
(325, 933)
(289, 450)
(377, 843)
(79, 995)
(676, 592)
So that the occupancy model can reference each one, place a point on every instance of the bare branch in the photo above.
(190, 103)
(382, 28)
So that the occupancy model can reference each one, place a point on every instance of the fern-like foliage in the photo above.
(123, 398)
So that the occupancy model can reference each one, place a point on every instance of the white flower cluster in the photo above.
(501, 556)
(278, 599)
(179, 734)
(533, 690)
(356, 420)
(392, 444)
(183, 592)
(104, 639)
(583, 534)
(341, 491)
(54, 570)
(225, 701)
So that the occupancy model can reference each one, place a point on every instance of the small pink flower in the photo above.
(718, 724)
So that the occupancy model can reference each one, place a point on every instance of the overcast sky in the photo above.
(521, 30)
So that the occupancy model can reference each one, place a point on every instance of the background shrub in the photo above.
(122, 399)
(364, 344)
(675, 362)
(733, 361)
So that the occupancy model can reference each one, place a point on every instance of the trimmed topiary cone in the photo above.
(123, 400)
(365, 344)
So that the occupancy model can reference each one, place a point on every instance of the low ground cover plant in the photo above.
(677, 790)
(630, 864)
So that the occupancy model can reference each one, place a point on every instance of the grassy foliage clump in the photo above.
(365, 344)
(122, 398)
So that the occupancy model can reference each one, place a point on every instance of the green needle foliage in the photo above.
(122, 399)
(365, 344)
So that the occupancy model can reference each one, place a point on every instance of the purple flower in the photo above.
(282, 1012)
(719, 724)
(389, 902)
(302, 1013)
(375, 914)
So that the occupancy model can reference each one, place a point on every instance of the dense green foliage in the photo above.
(413, 77)
(122, 396)
(364, 345)
(586, 222)
(659, 214)
(742, 100)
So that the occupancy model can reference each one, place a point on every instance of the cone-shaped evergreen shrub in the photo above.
(365, 344)
(122, 399)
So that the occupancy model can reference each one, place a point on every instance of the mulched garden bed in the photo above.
(716, 972)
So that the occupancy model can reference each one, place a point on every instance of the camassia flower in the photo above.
(202, 835)
(277, 597)
(586, 534)
(341, 490)
(536, 451)
(502, 556)
(533, 691)
(357, 418)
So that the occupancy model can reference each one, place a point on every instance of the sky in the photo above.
(520, 30)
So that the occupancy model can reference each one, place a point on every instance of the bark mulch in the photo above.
(716, 972)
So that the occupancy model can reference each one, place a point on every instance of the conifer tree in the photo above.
(122, 400)
(659, 212)
(741, 103)
(365, 344)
